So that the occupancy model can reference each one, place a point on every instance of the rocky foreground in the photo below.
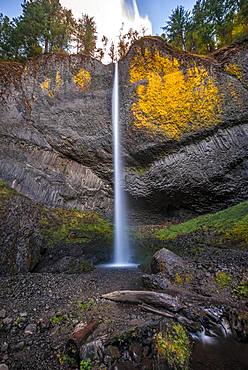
(193, 287)
(148, 330)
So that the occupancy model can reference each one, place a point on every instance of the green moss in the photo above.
(174, 347)
(57, 319)
(64, 359)
(139, 170)
(182, 279)
(5, 190)
(88, 304)
(241, 291)
(72, 226)
(222, 279)
(85, 365)
(231, 223)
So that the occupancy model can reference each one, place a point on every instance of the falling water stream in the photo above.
(122, 253)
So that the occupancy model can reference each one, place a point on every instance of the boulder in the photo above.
(167, 263)
(159, 281)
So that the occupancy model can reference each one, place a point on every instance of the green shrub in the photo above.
(241, 290)
(88, 304)
(85, 365)
(5, 190)
(57, 319)
(174, 347)
(223, 279)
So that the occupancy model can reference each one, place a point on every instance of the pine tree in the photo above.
(46, 24)
(177, 27)
(86, 35)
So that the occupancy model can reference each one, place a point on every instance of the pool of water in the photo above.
(220, 354)
(118, 266)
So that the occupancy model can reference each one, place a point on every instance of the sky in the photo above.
(110, 14)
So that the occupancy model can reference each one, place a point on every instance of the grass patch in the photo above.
(72, 226)
(231, 223)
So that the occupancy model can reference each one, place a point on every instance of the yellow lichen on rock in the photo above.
(171, 100)
(82, 79)
(234, 70)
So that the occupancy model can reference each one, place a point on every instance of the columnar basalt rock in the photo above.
(56, 131)
(186, 126)
(184, 120)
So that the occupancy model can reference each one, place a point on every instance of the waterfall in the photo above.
(121, 236)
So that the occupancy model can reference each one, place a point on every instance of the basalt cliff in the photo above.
(184, 129)
(184, 121)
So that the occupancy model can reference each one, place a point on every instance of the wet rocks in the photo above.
(93, 350)
(239, 323)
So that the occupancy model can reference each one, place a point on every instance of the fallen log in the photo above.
(148, 308)
(81, 332)
(151, 298)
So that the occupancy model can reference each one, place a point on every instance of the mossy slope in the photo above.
(72, 226)
(231, 224)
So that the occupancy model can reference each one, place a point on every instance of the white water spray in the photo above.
(121, 237)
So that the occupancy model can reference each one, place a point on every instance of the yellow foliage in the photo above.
(45, 85)
(171, 100)
(59, 81)
(178, 279)
(174, 347)
(234, 70)
(82, 79)
(50, 87)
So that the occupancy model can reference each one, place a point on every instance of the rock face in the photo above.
(56, 131)
(34, 238)
(184, 122)
(198, 162)
(20, 239)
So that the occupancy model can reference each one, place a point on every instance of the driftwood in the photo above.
(145, 307)
(198, 299)
(150, 301)
(81, 332)
(150, 298)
